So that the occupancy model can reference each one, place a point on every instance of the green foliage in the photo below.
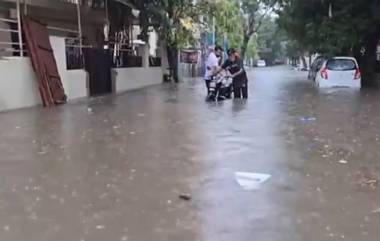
(237, 19)
(174, 20)
(331, 27)
(271, 40)
(169, 18)
(252, 48)
(228, 20)
(253, 12)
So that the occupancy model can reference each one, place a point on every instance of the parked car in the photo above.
(339, 72)
(315, 67)
(261, 63)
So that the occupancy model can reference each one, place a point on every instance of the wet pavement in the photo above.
(113, 168)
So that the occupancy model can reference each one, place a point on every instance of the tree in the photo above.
(253, 12)
(171, 19)
(270, 40)
(252, 48)
(228, 22)
(295, 22)
(239, 20)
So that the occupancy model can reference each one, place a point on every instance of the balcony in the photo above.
(95, 4)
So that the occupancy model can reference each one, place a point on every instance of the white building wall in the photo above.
(18, 84)
(135, 78)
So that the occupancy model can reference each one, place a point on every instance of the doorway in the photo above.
(98, 64)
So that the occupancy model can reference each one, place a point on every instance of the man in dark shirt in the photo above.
(235, 65)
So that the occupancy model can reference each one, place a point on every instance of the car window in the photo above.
(341, 64)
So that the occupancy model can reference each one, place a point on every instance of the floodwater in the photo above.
(113, 168)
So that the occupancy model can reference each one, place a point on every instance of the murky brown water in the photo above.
(112, 168)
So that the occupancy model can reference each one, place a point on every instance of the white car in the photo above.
(339, 72)
(261, 63)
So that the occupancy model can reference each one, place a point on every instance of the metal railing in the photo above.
(17, 30)
(73, 47)
(124, 58)
(65, 30)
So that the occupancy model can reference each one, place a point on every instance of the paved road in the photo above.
(112, 168)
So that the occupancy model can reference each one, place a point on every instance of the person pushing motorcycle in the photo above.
(235, 66)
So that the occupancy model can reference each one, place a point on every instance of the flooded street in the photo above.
(113, 168)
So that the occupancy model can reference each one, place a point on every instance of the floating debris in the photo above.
(251, 181)
(376, 210)
(100, 227)
(185, 197)
(308, 119)
(343, 161)
(367, 179)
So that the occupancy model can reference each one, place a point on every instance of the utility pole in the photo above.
(213, 31)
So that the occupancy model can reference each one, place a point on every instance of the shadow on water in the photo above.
(239, 105)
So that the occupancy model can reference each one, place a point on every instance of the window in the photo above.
(341, 64)
(74, 57)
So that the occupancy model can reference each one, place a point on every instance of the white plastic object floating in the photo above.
(251, 181)
(343, 161)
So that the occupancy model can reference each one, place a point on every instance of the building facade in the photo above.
(100, 27)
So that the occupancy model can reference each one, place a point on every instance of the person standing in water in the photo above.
(235, 65)
(212, 64)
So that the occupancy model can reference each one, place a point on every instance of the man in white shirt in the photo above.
(212, 64)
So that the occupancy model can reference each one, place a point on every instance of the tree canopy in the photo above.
(173, 20)
(331, 27)
(270, 40)
(339, 27)
(253, 12)
(228, 22)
